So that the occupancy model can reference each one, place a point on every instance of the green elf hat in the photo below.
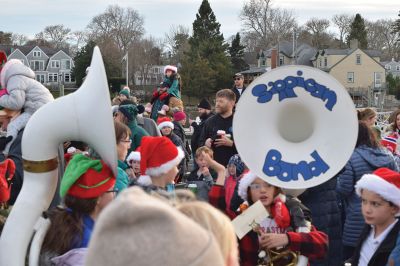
(125, 92)
(86, 178)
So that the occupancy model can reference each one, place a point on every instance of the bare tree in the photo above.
(19, 39)
(317, 27)
(380, 36)
(123, 25)
(251, 42)
(177, 42)
(270, 24)
(58, 35)
(342, 22)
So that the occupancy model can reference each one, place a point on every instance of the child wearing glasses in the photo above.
(86, 188)
(123, 140)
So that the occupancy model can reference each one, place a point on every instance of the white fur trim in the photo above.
(282, 197)
(165, 167)
(4, 70)
(166, 124)
(244, 184)
(71, 150)
(378, 185)
(144, 180)
(134, 155)
(169, 67)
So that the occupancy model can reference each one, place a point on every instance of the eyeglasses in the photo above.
(237, 79)
(127, 141)
(115, 191)
(259, 186)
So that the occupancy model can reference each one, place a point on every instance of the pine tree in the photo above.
(208, 51)
(358, 32)
(82, 61)
(236, 50)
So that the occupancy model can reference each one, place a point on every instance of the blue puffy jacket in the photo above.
(363, 160)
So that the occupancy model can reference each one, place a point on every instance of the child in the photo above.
(173, 79)
(133, 161)
(20, 91)
(160, 100)
(380, 195)
(203, 176)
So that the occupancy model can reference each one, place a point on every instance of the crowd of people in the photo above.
(157, 210)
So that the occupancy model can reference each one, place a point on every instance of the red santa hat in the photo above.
(384, 182)
(3, 58)
(133, 156)
(164, 122)
(172, 68)
(390, 142)
(158, 155)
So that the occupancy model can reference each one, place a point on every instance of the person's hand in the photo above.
(67, 144)
(191, 121)
(205, 171)
(272, 240)
(208, 142)
(223, 141)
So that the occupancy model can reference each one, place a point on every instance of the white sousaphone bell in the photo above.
(295, 127)
(84, 115)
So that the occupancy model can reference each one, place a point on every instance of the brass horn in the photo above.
(84, 115)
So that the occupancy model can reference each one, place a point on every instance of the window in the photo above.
(37, 54)
(40, 78)
(37, 65)
(377, 79)
(397, 68)
(326, 61)
(156, 70)
(55, 64)
(67, 77)
(350, 77)
(388, 67)
(53, 77)
(358, 59)
(320, 62)
(281, 60)
(65, 64)
(263, 62)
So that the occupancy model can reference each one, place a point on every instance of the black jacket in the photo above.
(222, 154)
(237, 93)
(197, 128)
(381, 255)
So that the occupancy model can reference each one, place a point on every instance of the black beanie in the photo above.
(204, 104)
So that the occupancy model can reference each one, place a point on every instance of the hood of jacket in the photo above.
(376, 157)
(12, 68)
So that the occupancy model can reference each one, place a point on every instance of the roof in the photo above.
(256, 70)
(348, 51)
(25, 49)
(304, 52)
(250, 58)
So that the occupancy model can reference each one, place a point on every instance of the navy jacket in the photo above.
(364, 160)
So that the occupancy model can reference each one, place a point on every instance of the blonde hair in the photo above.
(206, 150)
(213, 221)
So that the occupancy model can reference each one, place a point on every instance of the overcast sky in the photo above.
(31, 16)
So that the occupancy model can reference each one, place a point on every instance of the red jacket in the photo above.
(313, 245)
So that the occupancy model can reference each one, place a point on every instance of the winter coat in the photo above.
(323, 204)
(237, 93)
(222, 154)
(395, 254)
(381, 255)
(204, 183)
(149, 125)
(364, 160)
(180, 132)
(24, 92)
(137, 134)
(74, 257)
(197, 129)
(122, 181)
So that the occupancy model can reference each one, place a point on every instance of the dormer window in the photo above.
(37, 54)
(55, 64)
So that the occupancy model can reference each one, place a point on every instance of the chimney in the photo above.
(353, 44)
(274, 58)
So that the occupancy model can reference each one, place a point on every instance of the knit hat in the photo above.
(130, 111)
(125, 92)
(390, 142)
(158, 155)
(172, 68)
(164, 122)
(179, 116)
(204, 104)
(149, 232)
(384, 182)
(86, 178)
(238, 163)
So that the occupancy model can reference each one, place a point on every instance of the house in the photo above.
(52, 67)
(151, 76)
(392, 67)
(359, 71)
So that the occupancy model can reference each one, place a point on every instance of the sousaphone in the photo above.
(84, 115)
(295, 127)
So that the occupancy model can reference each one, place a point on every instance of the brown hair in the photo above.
(365, 114)
(204, 149)
(366, 136)
(393, 116)
(121, 131)
(66, 228)
(226, 93)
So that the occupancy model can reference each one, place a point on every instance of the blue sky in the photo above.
(31, 16)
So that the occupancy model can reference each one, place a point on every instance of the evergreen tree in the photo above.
(236, 50)
(207, 63)
(358, 31)
(82, 61)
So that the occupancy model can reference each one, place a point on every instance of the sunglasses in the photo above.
(237, 79)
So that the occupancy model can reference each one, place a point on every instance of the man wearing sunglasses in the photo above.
(238, 87)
